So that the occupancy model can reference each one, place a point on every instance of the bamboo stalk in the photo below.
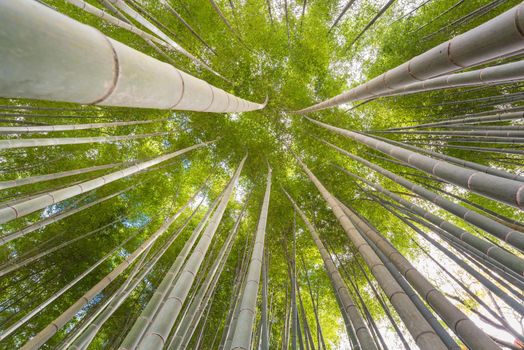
(89, 68)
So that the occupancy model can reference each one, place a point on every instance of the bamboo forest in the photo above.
(262, 174)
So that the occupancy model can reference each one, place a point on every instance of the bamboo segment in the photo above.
(23, 208)
(504, 190)
(505, 73)
(424, 335)
(70, 127)
(498, 37)
(244, 328)
(86, 67)
(347, 304)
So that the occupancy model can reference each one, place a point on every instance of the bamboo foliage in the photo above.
(67, 315)
(99, 70)
(244, 327)
(29, 206)
(498, 37)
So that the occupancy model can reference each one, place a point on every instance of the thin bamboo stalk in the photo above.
(39, 178)
(421, 331)
(60, 141)
(347, 304)
(68, 127)
(509, 235)
(57, 294)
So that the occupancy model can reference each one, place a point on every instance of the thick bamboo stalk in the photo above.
(497, 37)
(421, 331)
(504, 190)
(469, 333)
(509, 235)
(23, 208)
(39, 178)
(89, 68)
(67, 315)
(264, 317)
(60, 141)
(348, 305)
(68, 127)
(160, 327)
(243, 331)
(60, 292)
(140, 326)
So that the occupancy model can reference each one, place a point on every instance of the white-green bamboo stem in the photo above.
(160, 327)
(23, 208)
(60, 141)
(85, 338)
(39, 178)
(186, 327)
(115, 21)
(509, 235)
(466, 329)
(87, 67)
(498, 37)
(243, 331)
(70, 127)
(150, 26)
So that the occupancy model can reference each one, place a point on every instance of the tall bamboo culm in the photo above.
(87, 67)
(244, 327)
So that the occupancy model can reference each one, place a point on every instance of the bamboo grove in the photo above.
(265, 174)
